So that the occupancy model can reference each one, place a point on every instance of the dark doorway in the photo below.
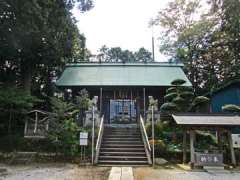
(123, 111)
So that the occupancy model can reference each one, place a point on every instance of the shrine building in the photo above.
(122, 88)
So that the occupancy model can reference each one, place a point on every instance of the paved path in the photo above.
(121, 173)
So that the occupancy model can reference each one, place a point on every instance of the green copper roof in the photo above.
(119, 74)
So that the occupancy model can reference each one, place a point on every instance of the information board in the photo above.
(83, 138)
(236, 140)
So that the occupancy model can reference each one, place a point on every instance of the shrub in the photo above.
(158, 129)
(159, 145)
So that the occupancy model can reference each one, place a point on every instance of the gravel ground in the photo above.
(176, 174)
(54, 172)
(74, 172)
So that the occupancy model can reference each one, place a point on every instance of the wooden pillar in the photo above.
(36, 122)
(192, 150)
(218, 134)
(233, 158)
(184, 146)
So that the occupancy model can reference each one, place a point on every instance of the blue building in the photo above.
(228, 94)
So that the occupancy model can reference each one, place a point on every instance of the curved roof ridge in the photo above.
(124, 64)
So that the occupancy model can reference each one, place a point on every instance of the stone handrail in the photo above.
(99, 139)
(145, 140)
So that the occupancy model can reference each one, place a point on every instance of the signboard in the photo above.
(83, 139)
(205, 159)
(236, 140)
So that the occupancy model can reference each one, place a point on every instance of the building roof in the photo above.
(225, 86)
(121, 74)
(207, 120)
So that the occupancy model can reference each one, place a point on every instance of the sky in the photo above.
(123, 23)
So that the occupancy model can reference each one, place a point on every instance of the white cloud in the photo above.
(121, 23)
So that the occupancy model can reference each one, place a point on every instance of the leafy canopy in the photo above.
(116, 54)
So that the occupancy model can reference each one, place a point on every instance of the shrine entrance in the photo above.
(123, 111)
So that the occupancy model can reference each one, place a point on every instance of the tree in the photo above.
(37, 37)
(116, 54)
(62, 127)
(82, 102)
(228, 10)
(180, 99)
(205, 41)
(184, 36)
(15, 102)
(143, 55)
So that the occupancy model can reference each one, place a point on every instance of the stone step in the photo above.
(125, 158)
(122, 149)
(110, 162)
(119, 153)
(123, 138)
(123, 128)
(123, 145)
(122, 142)
(123, 134)
(122, 131)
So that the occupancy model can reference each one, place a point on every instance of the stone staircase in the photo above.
(122, 146)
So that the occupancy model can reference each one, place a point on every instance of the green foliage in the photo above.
(143, 55)
(116, 54)
(83, 5)
(164, 138)
(14, 104)
(13, 99)
(181, 99)
(205, 37)
(83, 99)
(62, 110)
(178, 100)
(206, 140)
(158, 128)
(186, 94)
(178, 82)
(200, 100)
(169, 97)
(69, 136)
(168, 106)
(63, 131)
(159, 145)
(171, 90)
(231, 108)
(37, 38)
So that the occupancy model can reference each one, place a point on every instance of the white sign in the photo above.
(236, 140)
(83, 139)
(83, 135)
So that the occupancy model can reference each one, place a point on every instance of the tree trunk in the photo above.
(27, 71)
(49, 86)
(10, 122)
